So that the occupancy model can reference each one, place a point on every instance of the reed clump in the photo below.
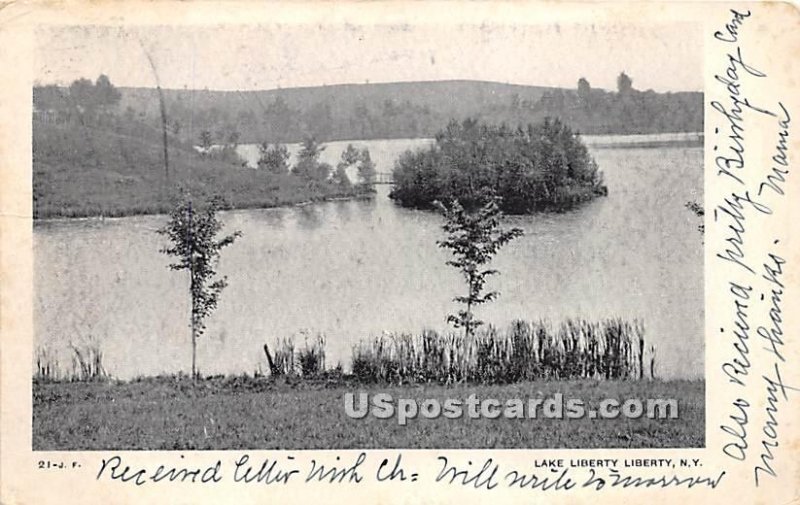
(312, 356)
(86, 360)
(47, 365)
(306, 361)
(527, 350)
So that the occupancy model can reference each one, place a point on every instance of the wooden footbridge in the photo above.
(384, 178)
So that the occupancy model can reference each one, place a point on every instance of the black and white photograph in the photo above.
(350, 236)
(398, 252)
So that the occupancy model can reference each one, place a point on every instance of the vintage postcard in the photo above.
(399, 252)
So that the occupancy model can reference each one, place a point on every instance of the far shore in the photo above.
(75, 201)
(599, 140)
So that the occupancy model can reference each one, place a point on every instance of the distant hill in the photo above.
(408, 110)
(402, 110)
(336, 112)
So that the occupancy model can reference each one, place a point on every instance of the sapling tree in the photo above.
(474, 238)
(366, 168)
(308, 164)
(350, 156)
(194, 235)
(273, 158)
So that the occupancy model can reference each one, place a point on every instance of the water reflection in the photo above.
(309, 217)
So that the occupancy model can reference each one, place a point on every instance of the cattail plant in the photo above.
(312, 357)
(575, 349)
(47, 365)
(87, 362)
(288, 359)
(284, 357)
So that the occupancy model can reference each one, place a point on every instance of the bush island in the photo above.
(541, 167)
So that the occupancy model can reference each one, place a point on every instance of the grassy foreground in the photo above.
(263, 413)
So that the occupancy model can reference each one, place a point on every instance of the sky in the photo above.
(664, 57)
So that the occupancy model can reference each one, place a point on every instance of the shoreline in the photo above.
(302, 203)
(645, 141)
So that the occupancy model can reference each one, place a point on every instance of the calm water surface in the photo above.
(355, 269)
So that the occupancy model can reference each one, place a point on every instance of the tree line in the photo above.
(400, 110)
(590, 111)
(626, 111)
(83, 101)
(274, 158)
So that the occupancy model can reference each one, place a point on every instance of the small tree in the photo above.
(308, 165)
(584, 89)
(473, 238)
(273, 158)
(624, 83)
(106, 95)
(340, 177)
(322, 172)
(193, 234)
(311, 150)
(82, 95)
(366, 168)
(206, 141)
(350, 157)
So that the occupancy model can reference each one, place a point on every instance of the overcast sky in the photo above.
(661, 57)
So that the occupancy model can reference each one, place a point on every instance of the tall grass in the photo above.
(86, 361)
(306, 361)
(284, 357)
(312, 357)
(47, 365)
(609, 349)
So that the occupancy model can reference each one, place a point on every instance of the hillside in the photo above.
(337, 112)
(83, 171)
(408, 110)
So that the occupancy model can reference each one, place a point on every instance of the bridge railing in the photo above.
(384, 178)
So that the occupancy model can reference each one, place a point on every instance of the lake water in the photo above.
(354, 269)
(384, 152)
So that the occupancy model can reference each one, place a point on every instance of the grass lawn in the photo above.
(245, 413)
(81, 171)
